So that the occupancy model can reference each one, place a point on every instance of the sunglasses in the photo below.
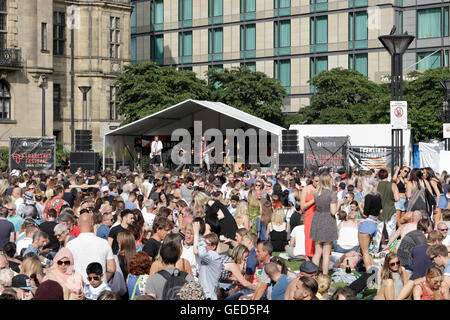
(443, 230)
(406, 171)
(432, 258)
(392, 264)
(94, 278)
(66, 263)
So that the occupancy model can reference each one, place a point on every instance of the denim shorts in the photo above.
(443, 202)
(402, 205)
(368, 227)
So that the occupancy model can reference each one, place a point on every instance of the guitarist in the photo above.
(155, 151)
(205, 154)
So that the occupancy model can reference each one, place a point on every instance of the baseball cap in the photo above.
(23, 282)
(28, 195)
(105, 188)
(308, 267)
(235, 198)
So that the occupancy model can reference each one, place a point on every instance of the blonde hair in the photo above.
(352, 215)
(140, 185)
(200, 200)
(31, 265)
(324, 183)
(241, 210)
(238, 253)
(252, 198)
(4, 186)
(6, 276)
(278, 217)
(324, 283)
(434, 272)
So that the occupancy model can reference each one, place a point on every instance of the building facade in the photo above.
(37, 36)
(291, 40)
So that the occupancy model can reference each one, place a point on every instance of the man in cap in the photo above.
(307, 269)
(24, 286)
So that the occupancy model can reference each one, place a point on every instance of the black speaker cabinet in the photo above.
(84, 160)
(83, 140)
(290, 160)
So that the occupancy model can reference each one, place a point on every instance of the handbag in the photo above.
(430, 198)
(117, 282)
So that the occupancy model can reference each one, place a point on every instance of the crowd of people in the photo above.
(225, 235)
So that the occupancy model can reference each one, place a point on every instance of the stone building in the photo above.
(36, 62)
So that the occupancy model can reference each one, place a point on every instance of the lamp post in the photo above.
(396, 45)
(43, 87)
(446, 109)
(84, 90)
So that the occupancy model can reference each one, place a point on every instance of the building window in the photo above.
(3, 24)
(114, 37)
(249, 65)
(157, 49)
(5, 101)
(358, 62)
(282, 7)
(215, 44)
(185, 13)
(429, 23)
(319, 33)
(59, 33)
(428, 60)
(133, 22)
(133, 56)
(318, 5)
(357, 3)
(43, 36)
(157, 15)
(248, 41)
(185, 47)
(316, 66)
(282, 37)
(357, 30)
(282, 72)
(248, 9)
(215, 11)
(113, 103)
(56, 101)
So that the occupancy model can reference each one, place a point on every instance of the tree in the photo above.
(251, 92)
(146, 88)
(425, 96)
(345, 96)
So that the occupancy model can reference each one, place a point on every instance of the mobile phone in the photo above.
(259, 272)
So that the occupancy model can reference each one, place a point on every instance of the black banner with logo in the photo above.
(35, 153)
(330, 152)
(370, 157)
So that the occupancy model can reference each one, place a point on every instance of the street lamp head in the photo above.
(84, 89)
(396, 43)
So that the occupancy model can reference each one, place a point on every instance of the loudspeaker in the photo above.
(289, 141)
(290, 160)
(84, 160)
(83, 140)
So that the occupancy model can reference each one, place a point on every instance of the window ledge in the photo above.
(45, 51)
(8, 121)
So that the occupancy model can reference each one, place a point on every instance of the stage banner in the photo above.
(330, 152)
(370, 157)
(35, 153)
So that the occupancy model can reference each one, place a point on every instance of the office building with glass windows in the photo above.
(290, 40)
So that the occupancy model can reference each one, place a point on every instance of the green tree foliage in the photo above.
(345, 96)
(425, 96)
(146, 88)
(61, 152)
(251, 92)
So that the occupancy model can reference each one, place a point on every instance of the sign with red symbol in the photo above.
(446, 130)
(399, 115)
(34, 153)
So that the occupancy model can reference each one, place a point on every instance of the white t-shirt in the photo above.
(446, 241)
(23, 243)
(88, 248)
(298, 233)
(156, 145)
(188, 254)
(148, 217)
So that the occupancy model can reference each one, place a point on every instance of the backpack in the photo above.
(174, 282)
(418, 200)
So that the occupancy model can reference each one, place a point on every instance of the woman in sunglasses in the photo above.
(400, 177)
(64, 273)
(433, 288)
(391, 278)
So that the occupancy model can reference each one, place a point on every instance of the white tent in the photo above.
(369, 135)
(120, 142)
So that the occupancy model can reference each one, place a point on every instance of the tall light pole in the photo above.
(446, 109)
(43, 87)
(396, 45)
(84, 90)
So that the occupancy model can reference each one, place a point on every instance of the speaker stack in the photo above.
(290, 156)
(83, 140)
(84, 160)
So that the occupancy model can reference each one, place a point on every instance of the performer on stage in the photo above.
(155, 152)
